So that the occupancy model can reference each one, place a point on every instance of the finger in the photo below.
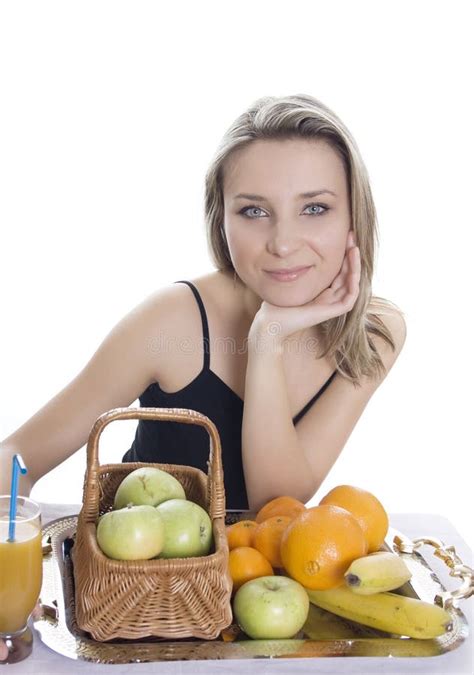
(354, 276)
(348, 290)
(340, 280)
(356, 263)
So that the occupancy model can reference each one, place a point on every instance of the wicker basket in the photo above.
(168, 598)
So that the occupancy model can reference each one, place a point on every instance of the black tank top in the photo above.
(188, 444)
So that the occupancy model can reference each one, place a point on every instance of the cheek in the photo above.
(242, 249)
(329, 255)
(328, 250)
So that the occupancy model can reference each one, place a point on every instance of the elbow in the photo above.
(295, 480)
(308, 494)
(303, 493)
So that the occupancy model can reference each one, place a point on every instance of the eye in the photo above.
(246, 208)
(243, 211)
(320, 206)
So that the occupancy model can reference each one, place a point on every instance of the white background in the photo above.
(109, 117)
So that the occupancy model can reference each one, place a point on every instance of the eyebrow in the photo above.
(305, 195)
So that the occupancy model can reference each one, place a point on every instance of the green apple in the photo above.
(147, 485)
(271, 607)
(188, 529)
(132, 533)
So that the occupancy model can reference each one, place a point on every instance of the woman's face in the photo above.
(278, 228)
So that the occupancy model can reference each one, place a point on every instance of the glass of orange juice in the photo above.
(21, 574)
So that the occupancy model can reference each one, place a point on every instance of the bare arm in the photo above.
(270, 445)
(281, 459)
(118, 372)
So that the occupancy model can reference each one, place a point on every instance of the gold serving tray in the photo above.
(323, 634)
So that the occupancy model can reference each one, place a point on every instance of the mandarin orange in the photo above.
(246, 563)
(241, 533)
(280, 506)
(267, 538)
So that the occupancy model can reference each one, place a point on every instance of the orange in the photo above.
(319, 545)
(280, 506)
(366, 508)
(246, 563)
(267, 538)
(241, 533)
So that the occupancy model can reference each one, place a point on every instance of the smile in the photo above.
(288, 276)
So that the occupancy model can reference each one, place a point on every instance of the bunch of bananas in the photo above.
(365, 597)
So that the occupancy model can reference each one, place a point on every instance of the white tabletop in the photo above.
(457, 662)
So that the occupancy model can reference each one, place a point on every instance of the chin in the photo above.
(297, 298)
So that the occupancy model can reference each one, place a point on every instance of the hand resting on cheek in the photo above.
(277, 323)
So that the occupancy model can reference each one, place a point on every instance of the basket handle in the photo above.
(215, 475)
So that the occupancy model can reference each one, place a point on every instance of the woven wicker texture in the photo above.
(169, 598)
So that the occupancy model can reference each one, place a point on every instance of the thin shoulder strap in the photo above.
(315, 397)
(205, 327)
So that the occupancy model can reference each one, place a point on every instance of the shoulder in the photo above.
(172, 310)
(171, 323)
(170, 300)
(166, 312)
(387, 318)
(212, 287)
(394, 321)
(393, 318)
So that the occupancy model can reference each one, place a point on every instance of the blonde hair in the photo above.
(347, 337)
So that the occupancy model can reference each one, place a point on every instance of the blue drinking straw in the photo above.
(17, 464)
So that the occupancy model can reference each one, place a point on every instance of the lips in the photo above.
(292, 275)
(289, 270)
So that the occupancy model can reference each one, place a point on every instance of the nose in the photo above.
(282, 240)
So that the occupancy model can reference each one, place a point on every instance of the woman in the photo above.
(289, 361)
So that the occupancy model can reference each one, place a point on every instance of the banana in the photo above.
(389, 612)
(377, 572)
